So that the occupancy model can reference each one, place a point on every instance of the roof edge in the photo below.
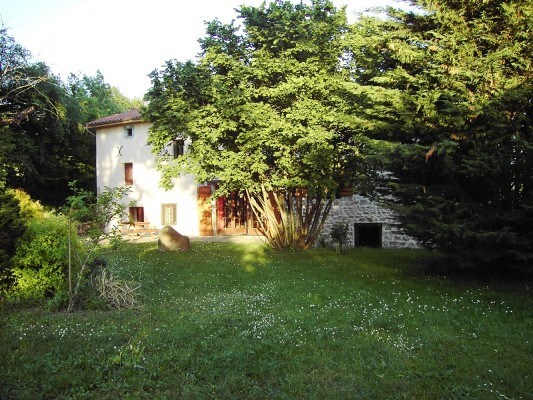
(123, 118)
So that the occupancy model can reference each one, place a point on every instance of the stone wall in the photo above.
(360, 210)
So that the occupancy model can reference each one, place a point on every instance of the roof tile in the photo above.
(131, 115)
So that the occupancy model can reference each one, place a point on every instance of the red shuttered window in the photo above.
(128, 174)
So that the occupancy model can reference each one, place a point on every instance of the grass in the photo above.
(239, 321)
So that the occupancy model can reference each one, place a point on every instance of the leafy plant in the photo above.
(339, 235)
(11, 228)
(41, 259)
(268, 110)
(97, 213)
(29, 209)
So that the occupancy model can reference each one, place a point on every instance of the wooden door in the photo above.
(205, 210)
(232, 215)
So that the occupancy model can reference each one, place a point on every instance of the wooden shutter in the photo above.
(136, 214)
(128, 174)
(205, 210)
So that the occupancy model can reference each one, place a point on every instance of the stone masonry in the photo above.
(360, 210)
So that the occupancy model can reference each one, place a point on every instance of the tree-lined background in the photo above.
(45, 144)
(427, 110)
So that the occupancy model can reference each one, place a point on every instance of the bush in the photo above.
(41, 259)
(339, 234)
(29, 209)
(11, 229)
(117, 292)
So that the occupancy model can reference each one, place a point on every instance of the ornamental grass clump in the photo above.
(117, 292)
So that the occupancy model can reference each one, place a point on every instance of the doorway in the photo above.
(235, 217)
(368, 235)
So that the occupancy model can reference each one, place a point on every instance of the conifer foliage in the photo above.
(451, 89)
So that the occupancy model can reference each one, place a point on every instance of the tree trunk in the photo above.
(289, 219)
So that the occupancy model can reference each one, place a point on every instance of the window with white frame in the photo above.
(128, 132)
(168, 214)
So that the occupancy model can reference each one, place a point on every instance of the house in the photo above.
(124, 158)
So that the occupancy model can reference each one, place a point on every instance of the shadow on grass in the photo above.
(442, 266)
(258, 258)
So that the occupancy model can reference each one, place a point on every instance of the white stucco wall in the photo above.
(146, 191)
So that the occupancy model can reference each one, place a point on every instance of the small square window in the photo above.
(128, 132)
(178, 148)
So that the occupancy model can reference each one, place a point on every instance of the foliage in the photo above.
(227, 320)
(96, 98)
(339, 234)
(14, 79)
(96, 214)
(29, 209)
(11, 229)
(450, 92)
(41, 259)
(51, 261)
(268, 110)
(43, 144)
(118, 293)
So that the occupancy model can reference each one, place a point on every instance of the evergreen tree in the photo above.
(450, 92)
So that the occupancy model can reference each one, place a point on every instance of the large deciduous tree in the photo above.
(269, 108)
(97, 98)
(451, 90)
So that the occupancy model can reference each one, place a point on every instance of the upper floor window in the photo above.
(128, 174)
(178, 147)
(128, 132)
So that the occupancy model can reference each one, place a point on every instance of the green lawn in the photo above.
(238, 321)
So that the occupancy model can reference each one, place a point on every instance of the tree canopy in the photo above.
(267, 107)
(436, 103)
(42, 122)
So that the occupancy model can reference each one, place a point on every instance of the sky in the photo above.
(124, 39)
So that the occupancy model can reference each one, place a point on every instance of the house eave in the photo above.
(112, 124)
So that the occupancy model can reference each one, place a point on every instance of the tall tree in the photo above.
(451, 90)
(43, 144)
(267, 110)
(97, 98)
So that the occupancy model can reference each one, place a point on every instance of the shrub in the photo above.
(96, 214)
(29, 209)
(11, 229)
(339, 234)
(41, 259)
(118, 293)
